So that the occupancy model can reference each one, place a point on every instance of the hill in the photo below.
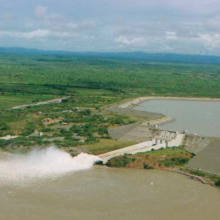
(136, 56)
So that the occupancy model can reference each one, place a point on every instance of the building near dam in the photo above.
(154, 139)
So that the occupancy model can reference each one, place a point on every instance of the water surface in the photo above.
(102, 193)
(49, 184)
(198, 117)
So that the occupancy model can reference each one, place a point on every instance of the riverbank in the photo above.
(137, 101)
(150, 118)
(170, 160)
(145, 118)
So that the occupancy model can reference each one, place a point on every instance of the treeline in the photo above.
(50, 74)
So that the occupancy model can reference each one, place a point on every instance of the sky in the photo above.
(167, 26)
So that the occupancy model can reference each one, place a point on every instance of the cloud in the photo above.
(40, 11)
(80, 26)
(28, 35)
(171, 35)
(45, 18)
(211, 40)
(35, 34)
(137, 41)
(178, 26)
(213, 24)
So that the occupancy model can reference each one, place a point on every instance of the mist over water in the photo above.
(44, 163)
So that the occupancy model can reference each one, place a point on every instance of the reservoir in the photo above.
(102, 193)
(197, 117)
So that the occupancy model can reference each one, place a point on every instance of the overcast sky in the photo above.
(174, 26)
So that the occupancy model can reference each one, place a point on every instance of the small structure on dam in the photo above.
(165, 137)
(160, 139)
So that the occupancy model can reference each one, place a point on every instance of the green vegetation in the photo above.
(9, 100)
(212, 177)
(58, 75)
(76, 124)
(217, 182)
(176, 162)
(120, 161)
(169, 157)
(105, 145)
(79, 122)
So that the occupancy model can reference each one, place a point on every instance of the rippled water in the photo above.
(200, 117)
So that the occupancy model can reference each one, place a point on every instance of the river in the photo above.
(99, 193)
(198, 117)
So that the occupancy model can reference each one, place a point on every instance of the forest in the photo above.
(60, 75)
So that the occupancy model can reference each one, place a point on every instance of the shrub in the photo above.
(2, 143)
(121, 161)
(27, 133)
(147, 167)
(46, 130)
(4, 127)
(175, 161)
(217, 183)
(65, 132)
(91, 140)
(103, 130)
(86, 112)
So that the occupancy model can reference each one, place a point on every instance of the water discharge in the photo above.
(49, 162)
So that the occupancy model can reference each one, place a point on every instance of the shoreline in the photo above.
(128, 105)
(202, 180)
(187, 174)
(140, 100)
(163, 120)
(159, 122)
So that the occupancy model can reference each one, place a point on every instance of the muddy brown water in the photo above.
(200, 117)
(105, 193)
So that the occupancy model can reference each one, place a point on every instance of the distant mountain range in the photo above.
(136, 56)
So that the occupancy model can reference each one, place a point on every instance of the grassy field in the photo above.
(105, 146)
(60, 75)
(9, 100)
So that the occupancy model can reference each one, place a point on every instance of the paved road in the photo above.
(40, 103)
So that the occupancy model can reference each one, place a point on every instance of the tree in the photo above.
(217, 183)
(2, 143)
(4, 127)
(103, 130)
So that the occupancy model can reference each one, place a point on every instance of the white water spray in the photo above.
(50, 162)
